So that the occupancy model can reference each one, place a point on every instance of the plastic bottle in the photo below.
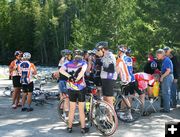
(155, 89)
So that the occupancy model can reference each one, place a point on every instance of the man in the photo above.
(124, 67)
(166, 79)
(108, 71)
(134, 60)
(13, 70)
(168, 52)
(27, 70)
(74, 70)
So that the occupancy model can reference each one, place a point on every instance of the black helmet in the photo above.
(102, 44)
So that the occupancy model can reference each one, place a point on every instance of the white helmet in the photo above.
(26, 55)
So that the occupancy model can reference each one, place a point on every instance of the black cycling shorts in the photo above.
(77, 95)
(132, 88)
(16, 81)
(28, 88)
(107, 87)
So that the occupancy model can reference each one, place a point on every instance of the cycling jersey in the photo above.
(125, 65)
(14, 65)
(73, 68)
(144, 80)
(26, 70)
(108, 67)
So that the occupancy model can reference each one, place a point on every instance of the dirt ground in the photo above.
(44, 122)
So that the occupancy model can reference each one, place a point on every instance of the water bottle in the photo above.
(87, 106)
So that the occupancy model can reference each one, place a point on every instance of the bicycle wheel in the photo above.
(63, 111)
(126, 114)
(104, 118)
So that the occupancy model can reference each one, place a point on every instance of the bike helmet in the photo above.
(66, 52)
(102, 44)
(122, 48)
(78, 54)
(16, 53)
(26, 55)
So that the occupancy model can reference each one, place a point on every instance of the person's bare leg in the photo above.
(18, 96)
(81, 114)
(24, 99)
(66, 106)
(29, 98)
(142, 98)
(15, 95)
(110, 100)
(71, 114)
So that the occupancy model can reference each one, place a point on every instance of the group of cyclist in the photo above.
(102, 67)
(99, 65)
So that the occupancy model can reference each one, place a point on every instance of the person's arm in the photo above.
(89, 66)
(11, 67)
(117, 67)
(62, 71)
(168, 70)
(81, 73)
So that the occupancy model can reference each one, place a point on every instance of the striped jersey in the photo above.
(125, 66)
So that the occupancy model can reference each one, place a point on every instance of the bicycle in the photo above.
(8, 91)
(128, 109)
(98, 112)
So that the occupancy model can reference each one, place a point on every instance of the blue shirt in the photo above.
(166, 64)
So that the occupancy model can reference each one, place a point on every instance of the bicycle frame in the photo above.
(125, 99)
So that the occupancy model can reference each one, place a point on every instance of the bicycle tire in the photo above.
(104, 118)
(135, 110)
(61, 113)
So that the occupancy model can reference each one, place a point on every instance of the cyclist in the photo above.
(108, 73)
(88, 57)
(143, 81)
(13, 70)
(67, 56)
(152, 66)
(134, 60)
(74, 70)
(27, 70)
(124, 67)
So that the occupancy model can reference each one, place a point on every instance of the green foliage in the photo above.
(45, 27)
